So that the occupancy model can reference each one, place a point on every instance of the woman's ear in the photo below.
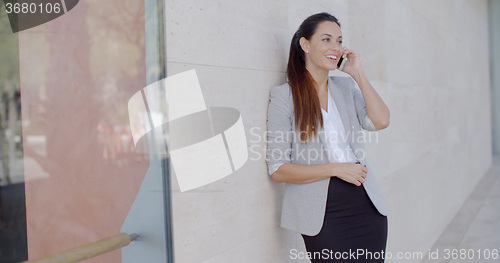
(304, 44)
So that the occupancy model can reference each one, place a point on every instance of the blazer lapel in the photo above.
(338, 97)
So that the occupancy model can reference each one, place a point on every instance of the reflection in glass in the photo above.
(13, 244)
(69, 171)
(84, 173)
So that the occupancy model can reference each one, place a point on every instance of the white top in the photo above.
(336, 136)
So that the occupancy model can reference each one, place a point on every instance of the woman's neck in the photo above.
(321, 78)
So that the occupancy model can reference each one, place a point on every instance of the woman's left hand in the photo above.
(353, 63)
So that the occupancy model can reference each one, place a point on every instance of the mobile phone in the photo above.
(341, 62)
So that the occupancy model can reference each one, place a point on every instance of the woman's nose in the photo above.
(336, 49)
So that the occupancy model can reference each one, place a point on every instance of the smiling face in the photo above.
(325, 47)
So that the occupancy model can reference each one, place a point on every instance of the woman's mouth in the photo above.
(332, 58)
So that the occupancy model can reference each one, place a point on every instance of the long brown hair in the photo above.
(305, 97)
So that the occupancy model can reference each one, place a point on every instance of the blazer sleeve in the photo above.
(279, 128)
(359, 104)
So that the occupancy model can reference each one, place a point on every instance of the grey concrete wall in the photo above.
(417, 55)
(494, 33)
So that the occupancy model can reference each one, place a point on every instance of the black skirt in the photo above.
(353, 230)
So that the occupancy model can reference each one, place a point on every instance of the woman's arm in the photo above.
(376, 109)
(303, 174)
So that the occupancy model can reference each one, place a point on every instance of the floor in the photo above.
(476, 227)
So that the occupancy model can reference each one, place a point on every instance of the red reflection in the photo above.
(77, 74)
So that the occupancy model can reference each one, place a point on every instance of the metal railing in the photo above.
(89, 250)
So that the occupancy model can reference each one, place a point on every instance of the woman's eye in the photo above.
(340, 41)
(326, 39)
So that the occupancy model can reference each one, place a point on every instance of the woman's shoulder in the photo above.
(282, 91)
(281, 88)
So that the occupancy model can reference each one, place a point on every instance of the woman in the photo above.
(315, 146)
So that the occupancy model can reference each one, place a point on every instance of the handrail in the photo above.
(89, 250)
